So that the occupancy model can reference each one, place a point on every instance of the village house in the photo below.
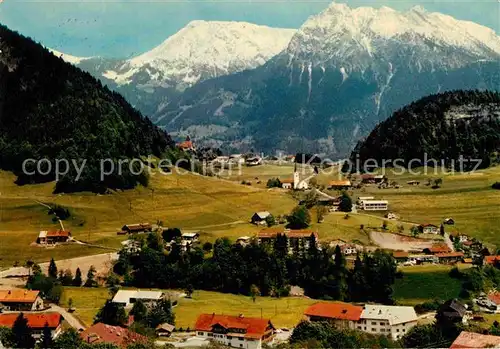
(400, 256)
(136, 228)
(119, 336)
(375, 205)
(340, 315)
(296, 238)
(53, 237)
(472, 340)
(235, 331)
(348, 249)
(128, 297)
(17, 299)
(453, 312)
(437, 249)
(287, 183)
(254, 161)
(459, 237)
(190, 237)
(244, 240)
(131, 246)
(164, 330)
(186, 145)
(259, 218)
(339, 185)
(451, 257)
(36, 322)
(393, 321)
(492, 260)
(373, 179)
(428, 229)
(494, 296)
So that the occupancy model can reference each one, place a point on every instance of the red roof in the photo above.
(185, 145)
(102, 333)
(400, 254)
(367, 176)
(59, 233)
(442, 249)
(342, 311)
(475, 340)
(35, 321)
(272, 232)
(254, 327)
(494, 297)
(451, 254)
(287, 181)
(18, 296)
(491, 259)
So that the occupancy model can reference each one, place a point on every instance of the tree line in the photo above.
(272, 268)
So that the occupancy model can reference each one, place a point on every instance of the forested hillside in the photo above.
(443, 127)
(50, 109)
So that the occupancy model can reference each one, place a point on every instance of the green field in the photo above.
(284, 312)
(426, 283)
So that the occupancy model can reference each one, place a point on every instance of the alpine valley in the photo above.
(319, 88)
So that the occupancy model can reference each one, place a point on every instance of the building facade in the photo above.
(392, 321)
(36, 322)
(235, 331)
(375, 205)
(20, 300)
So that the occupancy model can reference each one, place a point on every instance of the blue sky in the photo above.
(125, 28)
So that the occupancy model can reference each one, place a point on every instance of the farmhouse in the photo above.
(164, 330)
(472, 340)
(451, 257)
(394, 321)
(190, 237)
(437, 249)
(429, 228)
(128, 297)
(339, 185)
(53, 237)
(187, 145)
(119, 336)
(260, 217)
(375, 205)
(36, 322)
(400, 256)
(20, 300)
(348, 249)
(254, 161)
(459, 237)
(296, 238)
(244, 240)
(372, 179)
(340, 315)
(287, 183)
(136, 228)
(453, 311)
(235, 331)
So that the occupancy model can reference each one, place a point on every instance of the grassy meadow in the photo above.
(284, 312)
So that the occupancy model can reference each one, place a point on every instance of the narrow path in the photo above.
(70, 318)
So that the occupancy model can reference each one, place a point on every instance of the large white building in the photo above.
(375, 205)
(128, 297)
(235, 331)
(393, 321)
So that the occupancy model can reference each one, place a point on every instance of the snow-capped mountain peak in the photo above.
(343, 32)
(206, 49)
(68, 58)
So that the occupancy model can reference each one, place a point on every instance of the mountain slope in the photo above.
(344, 71)
(50, 109)
(442, 127)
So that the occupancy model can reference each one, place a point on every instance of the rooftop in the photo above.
(102, 333)
(340, 183)
(273, 232)
(123, 296)
(448, 255)
(18, 296)
(491, 259)
(35, 321)
(253, 327)
(343, 311)
(263, 214)
(475, 340)
(394, 314)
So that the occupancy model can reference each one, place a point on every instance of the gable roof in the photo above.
(18, 296)
(58, 233)
(165, 327)
(137, 226)
(342, 311)
(451, 254)
(494, 297)
(262, 214)
(102, 333)
(393, 314)
(452, 308)
(35, 321)
(439, 249)
(340, 183)
(287, 181)
(475, 340)
(254, 327)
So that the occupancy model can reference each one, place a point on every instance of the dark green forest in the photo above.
(51, 109)
(444, 126)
